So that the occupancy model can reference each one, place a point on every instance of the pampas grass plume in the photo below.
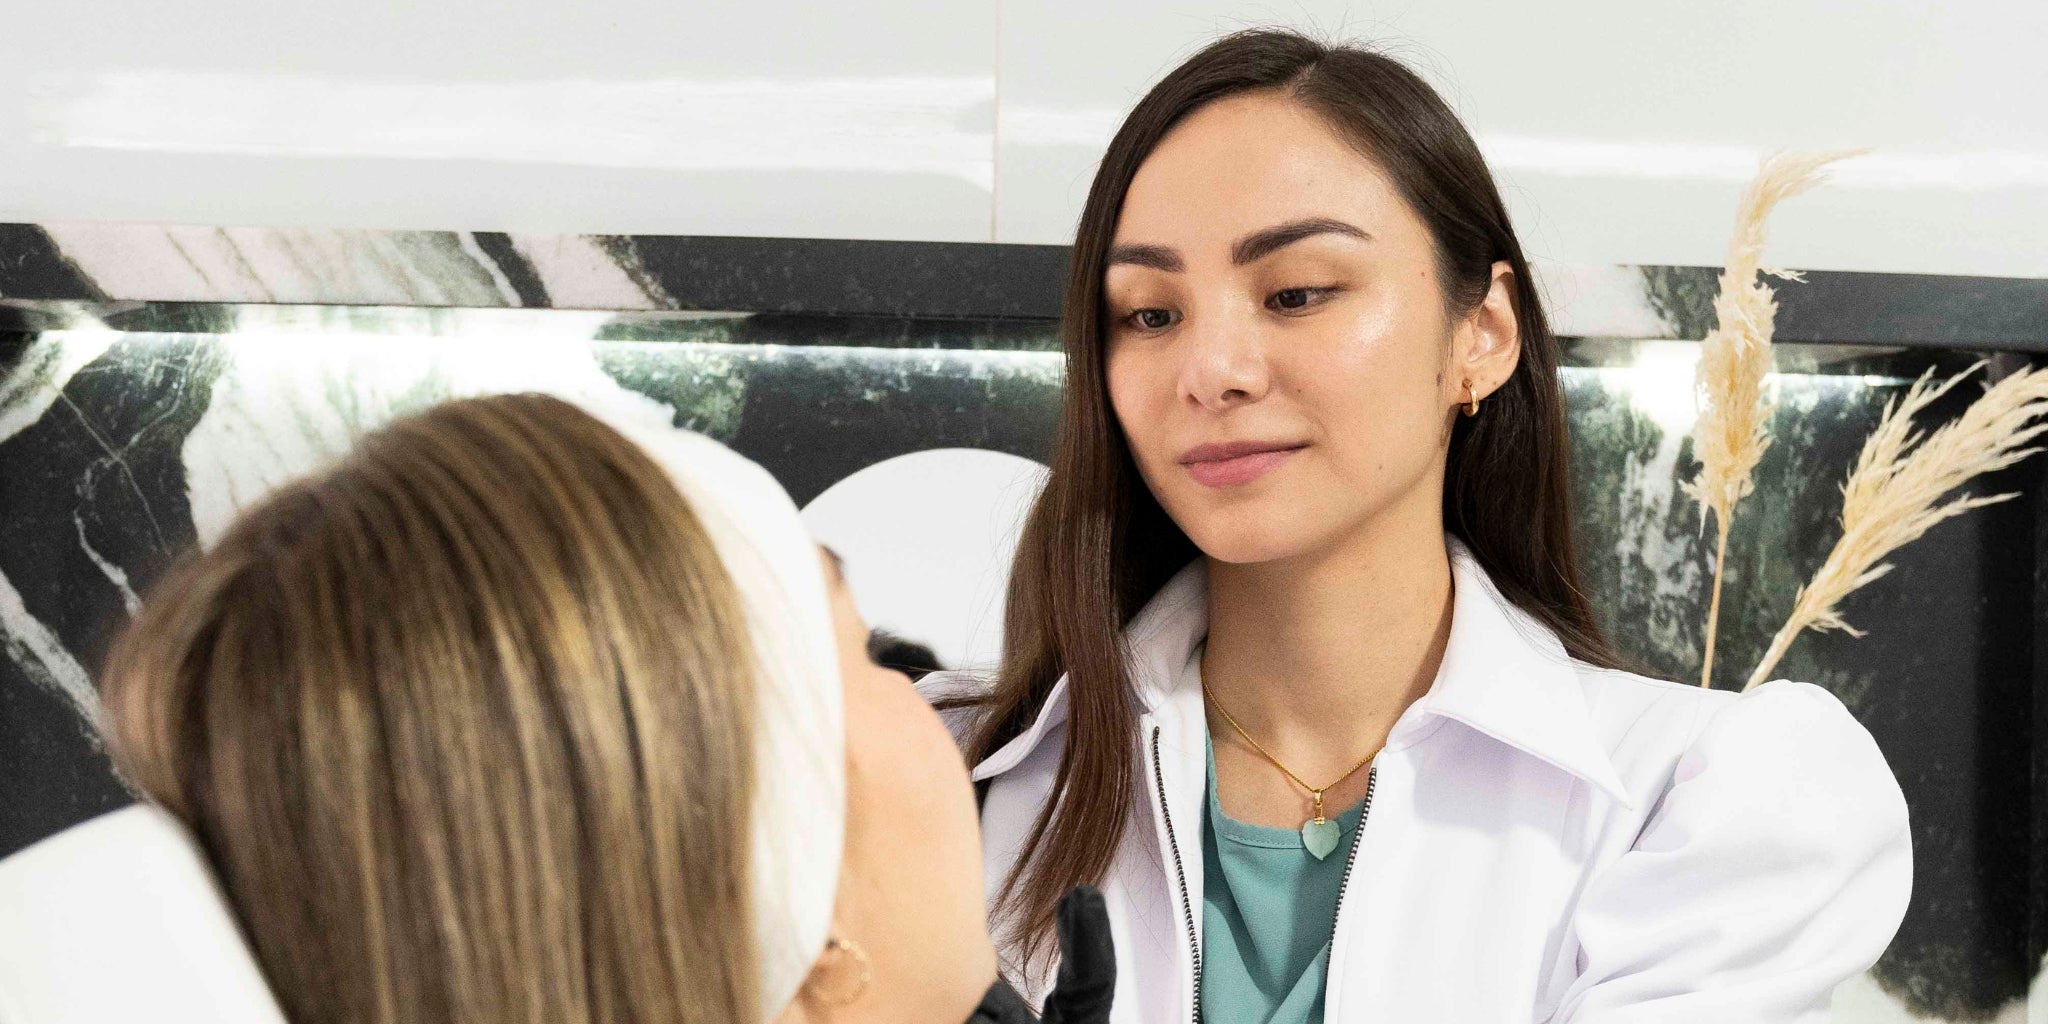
(1895, 491)
(1734, 407)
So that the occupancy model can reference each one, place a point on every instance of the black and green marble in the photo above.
(128, 432)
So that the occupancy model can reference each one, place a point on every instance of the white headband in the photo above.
(120, 919)
(800, 762)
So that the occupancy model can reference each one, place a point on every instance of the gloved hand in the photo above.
(1087, 978)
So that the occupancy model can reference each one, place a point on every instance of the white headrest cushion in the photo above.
(118, 921)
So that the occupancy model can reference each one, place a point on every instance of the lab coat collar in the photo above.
(1507, 676)
(1503, 675)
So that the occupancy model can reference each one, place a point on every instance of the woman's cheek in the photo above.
(1130, 400)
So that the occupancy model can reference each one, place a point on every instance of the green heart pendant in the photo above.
(1319, 837)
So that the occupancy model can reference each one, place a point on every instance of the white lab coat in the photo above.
(1547, 841)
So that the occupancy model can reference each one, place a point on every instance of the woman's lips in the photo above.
(1235, 465)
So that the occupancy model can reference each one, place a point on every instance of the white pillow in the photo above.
(118, 921)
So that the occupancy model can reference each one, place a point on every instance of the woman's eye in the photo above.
(1297, 298)
(1154, 319)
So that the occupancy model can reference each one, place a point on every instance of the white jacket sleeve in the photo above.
(1776, 866)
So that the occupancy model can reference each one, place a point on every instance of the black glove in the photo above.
(1087, 977)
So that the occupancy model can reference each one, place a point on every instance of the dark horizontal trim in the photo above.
(953, 281)
(973, 280)
(1866, 308)
(32, 316)
(1918, 309)
(835, 277)
(32, 267)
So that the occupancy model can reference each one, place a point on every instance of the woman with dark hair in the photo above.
(1299, 667)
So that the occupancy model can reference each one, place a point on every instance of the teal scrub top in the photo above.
(1268, 910)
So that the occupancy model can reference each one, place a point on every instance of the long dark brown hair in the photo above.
(1097, 544)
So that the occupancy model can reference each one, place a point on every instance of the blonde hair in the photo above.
(466, 727)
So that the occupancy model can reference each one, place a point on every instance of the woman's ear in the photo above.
(1489, 340)
(838, 981)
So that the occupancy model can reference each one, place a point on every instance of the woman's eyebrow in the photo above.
(1255, 246)
(1158, 257)
(1262, 243)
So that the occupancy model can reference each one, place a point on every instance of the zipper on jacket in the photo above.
(1187, 906)
(1372, 780)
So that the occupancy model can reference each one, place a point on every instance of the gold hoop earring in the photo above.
(1471, 399)
(840, 947)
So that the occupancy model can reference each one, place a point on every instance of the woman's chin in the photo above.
(1245, 537)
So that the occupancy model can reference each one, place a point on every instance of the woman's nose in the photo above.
(1223, 363)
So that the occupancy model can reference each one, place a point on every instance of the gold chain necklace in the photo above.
(1318, 834)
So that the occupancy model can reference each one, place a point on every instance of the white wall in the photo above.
(1621, 129)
